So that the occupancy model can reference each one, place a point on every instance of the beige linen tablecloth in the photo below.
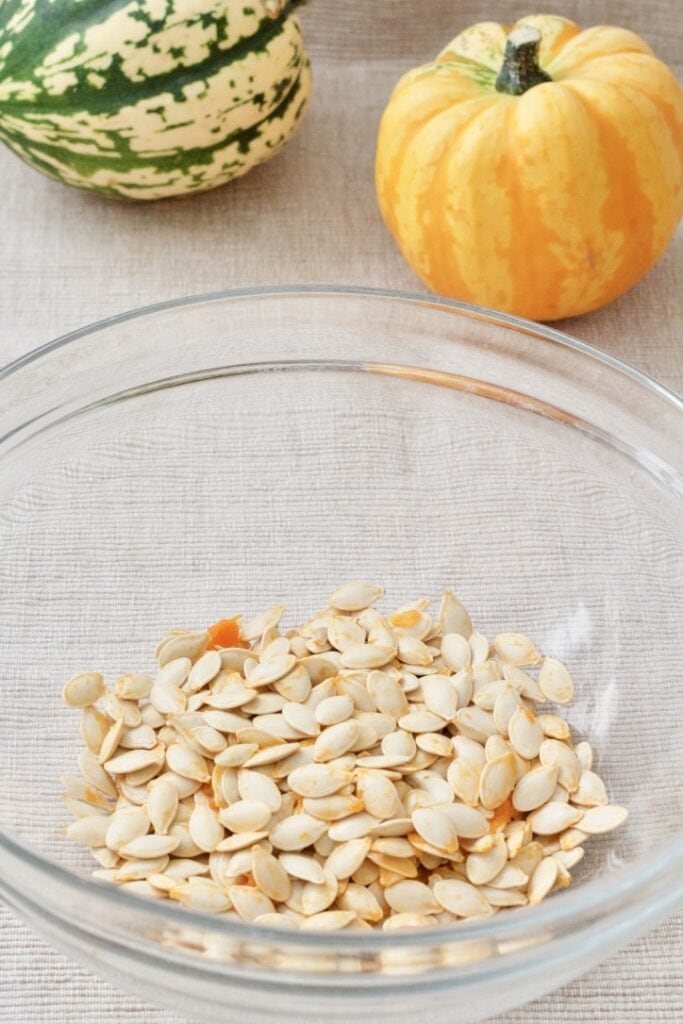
(67, 258)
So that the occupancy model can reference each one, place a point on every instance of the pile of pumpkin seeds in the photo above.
(362, 770)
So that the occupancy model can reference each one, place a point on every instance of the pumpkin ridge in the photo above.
(465, 262)
(388, 175)
(639, 248)
(425, 231)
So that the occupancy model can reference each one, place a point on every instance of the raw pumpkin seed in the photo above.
(362, 770)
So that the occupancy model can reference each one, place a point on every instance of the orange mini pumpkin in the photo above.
(538, 171)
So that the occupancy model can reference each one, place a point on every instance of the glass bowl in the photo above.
(216, 454)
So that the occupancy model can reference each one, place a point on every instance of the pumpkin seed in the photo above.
(535, 789)
(333, 710)
(456, 652)
(460, 898)
(597, 820)
(542, 880)
(367, 656)
(353, 597)
(84, 690)
(554, 817)
(497, 781)
(150, 846)
(369, 770)
(526, 735)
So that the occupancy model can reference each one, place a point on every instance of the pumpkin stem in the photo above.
(521, 70)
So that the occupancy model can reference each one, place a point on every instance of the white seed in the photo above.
(317, 898)
(269, 671)
(181, 645)
(440, 696)
(463, 778)
(476, 724)
(482, 867)
(125, 825)
(463, 684)
(270, 875)
(411, 897)
(343, 633)
(378, 794)
(460, 898)
(240, 841)
(584, 753)
(511, 877)
(497, 781)
(507, 702)
(528, 858)
(149, 846)
(469, 823)
(412, 651)
(346, 858)
(333, 710)
(456, 652)
(205, 829)
(245, 816)
(387, 694)
(236, 755)
(318, 780)
(479, 647)
(256, 627)
(296, 832)
(525, 733)
(94, 728)
(162, 805)
(554, 727)
(560, 754)
(542, 880)
(554, 817)
(140, 737)
(436, 827)
(188, 763)
(203, 671)
(253, 785)
(168, 699)
(367, 656)
(354, 827)
(301, 718)
(354, 597)
(336, 740)
(269, 754)
(516, 649)
(555, 682)
(134, 760)
(470, 750)
(140, 868)
(591, 791)
(298, 865)
(95, 774)
(535, 788)
(90, 831)
(210, 740)
(133, 686)
(420, 721)
(328, 920)
(503, 897)
(110, 742)
(202, 894)
(603, 819)
(84, 690)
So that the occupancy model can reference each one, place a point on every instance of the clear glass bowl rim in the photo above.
(593, 898)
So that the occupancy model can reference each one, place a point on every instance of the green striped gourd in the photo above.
(144, 99)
